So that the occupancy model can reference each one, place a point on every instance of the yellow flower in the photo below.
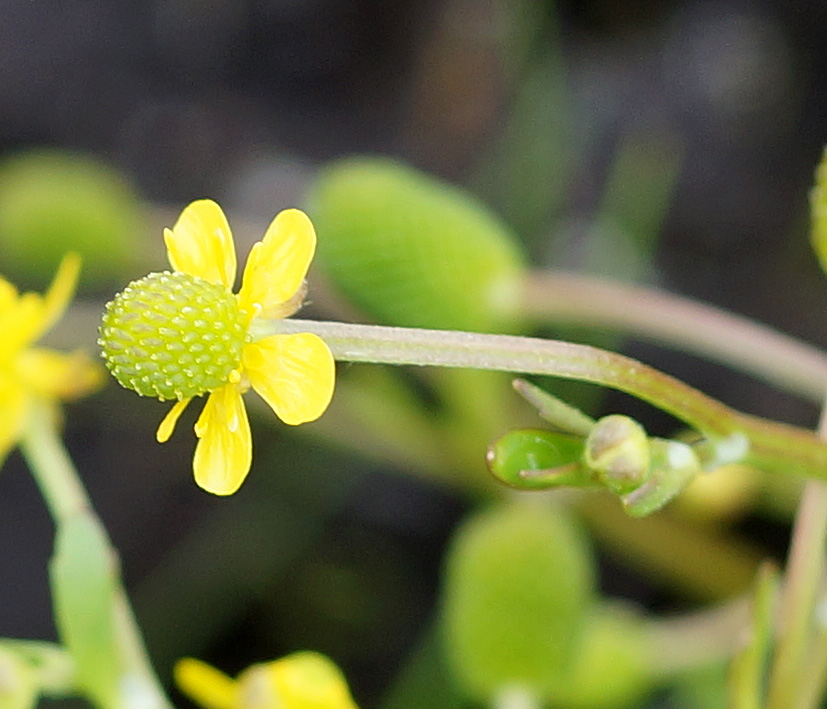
(28, 373)
(180, 335)
(303, 680)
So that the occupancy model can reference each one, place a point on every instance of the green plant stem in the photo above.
(771, 446)
(65, 496)
(553, 297)
(805, 571)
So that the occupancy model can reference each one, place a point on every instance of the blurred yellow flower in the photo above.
(28, 373)
(303, 680)
(183, 334)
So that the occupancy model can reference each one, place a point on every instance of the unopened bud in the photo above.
(617, 450)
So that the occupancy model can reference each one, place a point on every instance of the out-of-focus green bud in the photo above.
(617, 450)
(519, 584)
(53, 201)
(18, 682)
(674, 465)
(818, 204)
(612, 667)
(534, 459)
(410, 250)
(83, 590)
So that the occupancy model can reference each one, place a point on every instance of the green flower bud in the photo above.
(534, 459)
(612, 666)
(172, 336)
(519, 582)
(617, 450)
(53, 201)
(674, 465)
(818, 204)
(410, 250)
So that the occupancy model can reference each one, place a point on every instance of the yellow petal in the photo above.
(224, 452)
(13, 411)
(206, 685)
(303, 680)
(167, 426)
(201, 243)
(278, 264)
(59, 375)
(294, 374)
(60, 292)
(8, 295)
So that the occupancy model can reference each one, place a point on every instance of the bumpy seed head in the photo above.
(172, 336)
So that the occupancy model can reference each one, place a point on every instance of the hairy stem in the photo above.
(804, 574)
(552, 297)
(772, 446)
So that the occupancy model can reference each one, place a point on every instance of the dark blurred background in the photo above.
(525, 103)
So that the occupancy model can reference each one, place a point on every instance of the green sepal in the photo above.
(410, 250)
(83, 582)
(558, 413)
(674, 465)
(535, 459)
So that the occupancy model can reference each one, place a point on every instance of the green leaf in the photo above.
(83, 588)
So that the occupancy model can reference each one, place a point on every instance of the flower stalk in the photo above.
(770, 445)
(66, 498)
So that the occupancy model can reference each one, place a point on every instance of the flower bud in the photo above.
(818, 205)
(410, 250)
(519, 581)
(674, 465)
(534, 459)
(617, 450)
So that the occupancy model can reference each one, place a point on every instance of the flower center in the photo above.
(172, 336)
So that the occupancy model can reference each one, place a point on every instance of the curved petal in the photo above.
(294, 374)
(303, 680)
(167, 426)
(208, 686)
(201, 243)
(14, 407)
(278, 264)
(59, 375)
(57, 298)
(224, 452)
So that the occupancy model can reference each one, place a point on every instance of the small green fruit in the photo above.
(410, 250)
(519, 582)
(51, 202)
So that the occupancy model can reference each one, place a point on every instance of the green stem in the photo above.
(65, 496)
(805, 570)
(772, 446)
(568, 298)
